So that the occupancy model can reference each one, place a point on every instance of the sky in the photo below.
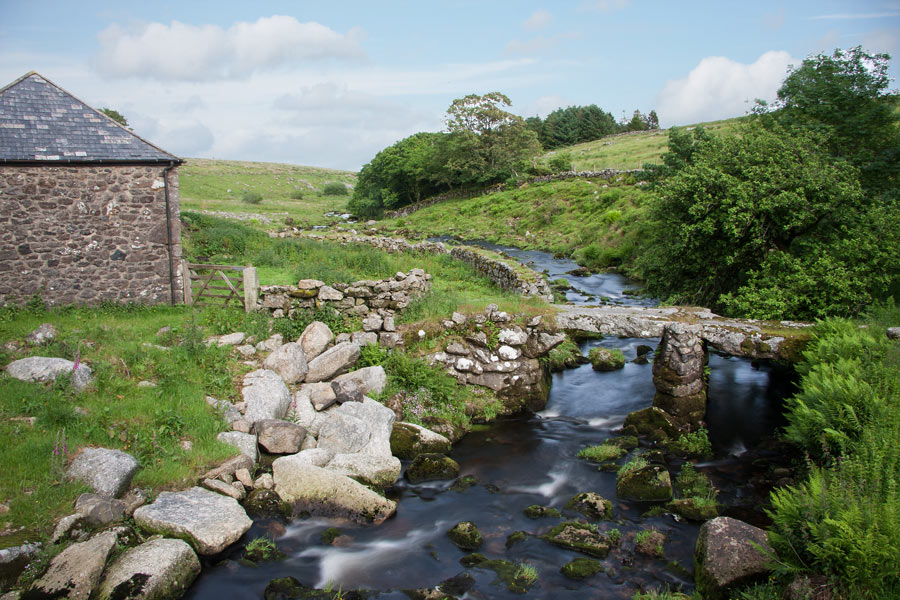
(330, 84)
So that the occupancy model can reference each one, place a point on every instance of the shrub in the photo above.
(694, 444)
(251, 197)
(296, 194)
(561, 161)
(335, 189)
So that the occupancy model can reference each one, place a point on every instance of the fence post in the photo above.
(186, 282)
(251, 289)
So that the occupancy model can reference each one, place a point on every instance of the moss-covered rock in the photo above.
(695, 509)
(427, 467)
(592, 505)
(289, 588)
(518, 578)
(329, 535)
(409, 440)
(536, 511)
(464, 483)
(580, 568)
(605, 359)
(579, 536)
(650, 543)
(566, 356)
(602, 453)
(515, 537)
(650, 483)
(473, 560)
(264, 503)
(466, 536)
(653, 423)
(626, 442)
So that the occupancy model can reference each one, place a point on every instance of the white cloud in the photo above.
(539, 20)
(720, 88)
(194, 53)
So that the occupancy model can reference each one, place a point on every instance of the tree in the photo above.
(115, 116)
(487, 142)
(652, 120)
(845, 99)
(760, 202)
(405, 172)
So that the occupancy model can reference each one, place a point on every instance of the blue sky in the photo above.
(330, 84)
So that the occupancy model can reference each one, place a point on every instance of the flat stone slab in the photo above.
(156, 570)
(750, 338)
(108, 471)
(44, 369)
(210, 521)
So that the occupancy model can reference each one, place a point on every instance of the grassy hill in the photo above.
(630, 150)
(219, 185)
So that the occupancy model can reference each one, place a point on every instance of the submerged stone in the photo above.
(289, 588)
(466, 536)
(536, 511)
(427, 467)
(515, 537)
(579, 568)
(604, 359)
(592, 505)
(651, 483)
(464, 483)
(580, 536)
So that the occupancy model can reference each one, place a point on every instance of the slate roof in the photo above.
(41, 122)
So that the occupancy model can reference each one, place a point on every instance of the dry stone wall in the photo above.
(375, 302)
(518, 279)
(86, 234)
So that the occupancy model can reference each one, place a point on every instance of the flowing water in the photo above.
(524, 461)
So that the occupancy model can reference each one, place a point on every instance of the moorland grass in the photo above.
(594, 221)
(296, 191)
(148, 422)
(455, 284)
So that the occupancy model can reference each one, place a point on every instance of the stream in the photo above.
(532, 460)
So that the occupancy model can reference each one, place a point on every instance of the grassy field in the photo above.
(49, 423)
(592, 220)
(631, 151)
(220, 185)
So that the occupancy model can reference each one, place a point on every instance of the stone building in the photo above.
(88, 210)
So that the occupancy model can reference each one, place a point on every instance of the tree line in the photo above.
(484, 144)
(579, 124)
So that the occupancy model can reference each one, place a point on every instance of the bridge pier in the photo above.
(678, 374)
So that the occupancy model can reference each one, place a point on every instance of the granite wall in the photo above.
(87, 234)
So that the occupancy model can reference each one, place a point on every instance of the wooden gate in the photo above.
(220, 285)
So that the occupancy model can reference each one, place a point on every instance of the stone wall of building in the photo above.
(87, 234)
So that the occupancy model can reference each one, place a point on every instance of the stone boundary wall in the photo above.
(375, 302)
(87, 234)
(405, 211)
(502, 274)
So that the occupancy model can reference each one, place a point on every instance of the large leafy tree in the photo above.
(401, 174)
(487, 142)
(797, 215)
(845, 98)
(730, 203)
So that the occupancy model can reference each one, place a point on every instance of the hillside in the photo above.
(219, 185)
(629, 150)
